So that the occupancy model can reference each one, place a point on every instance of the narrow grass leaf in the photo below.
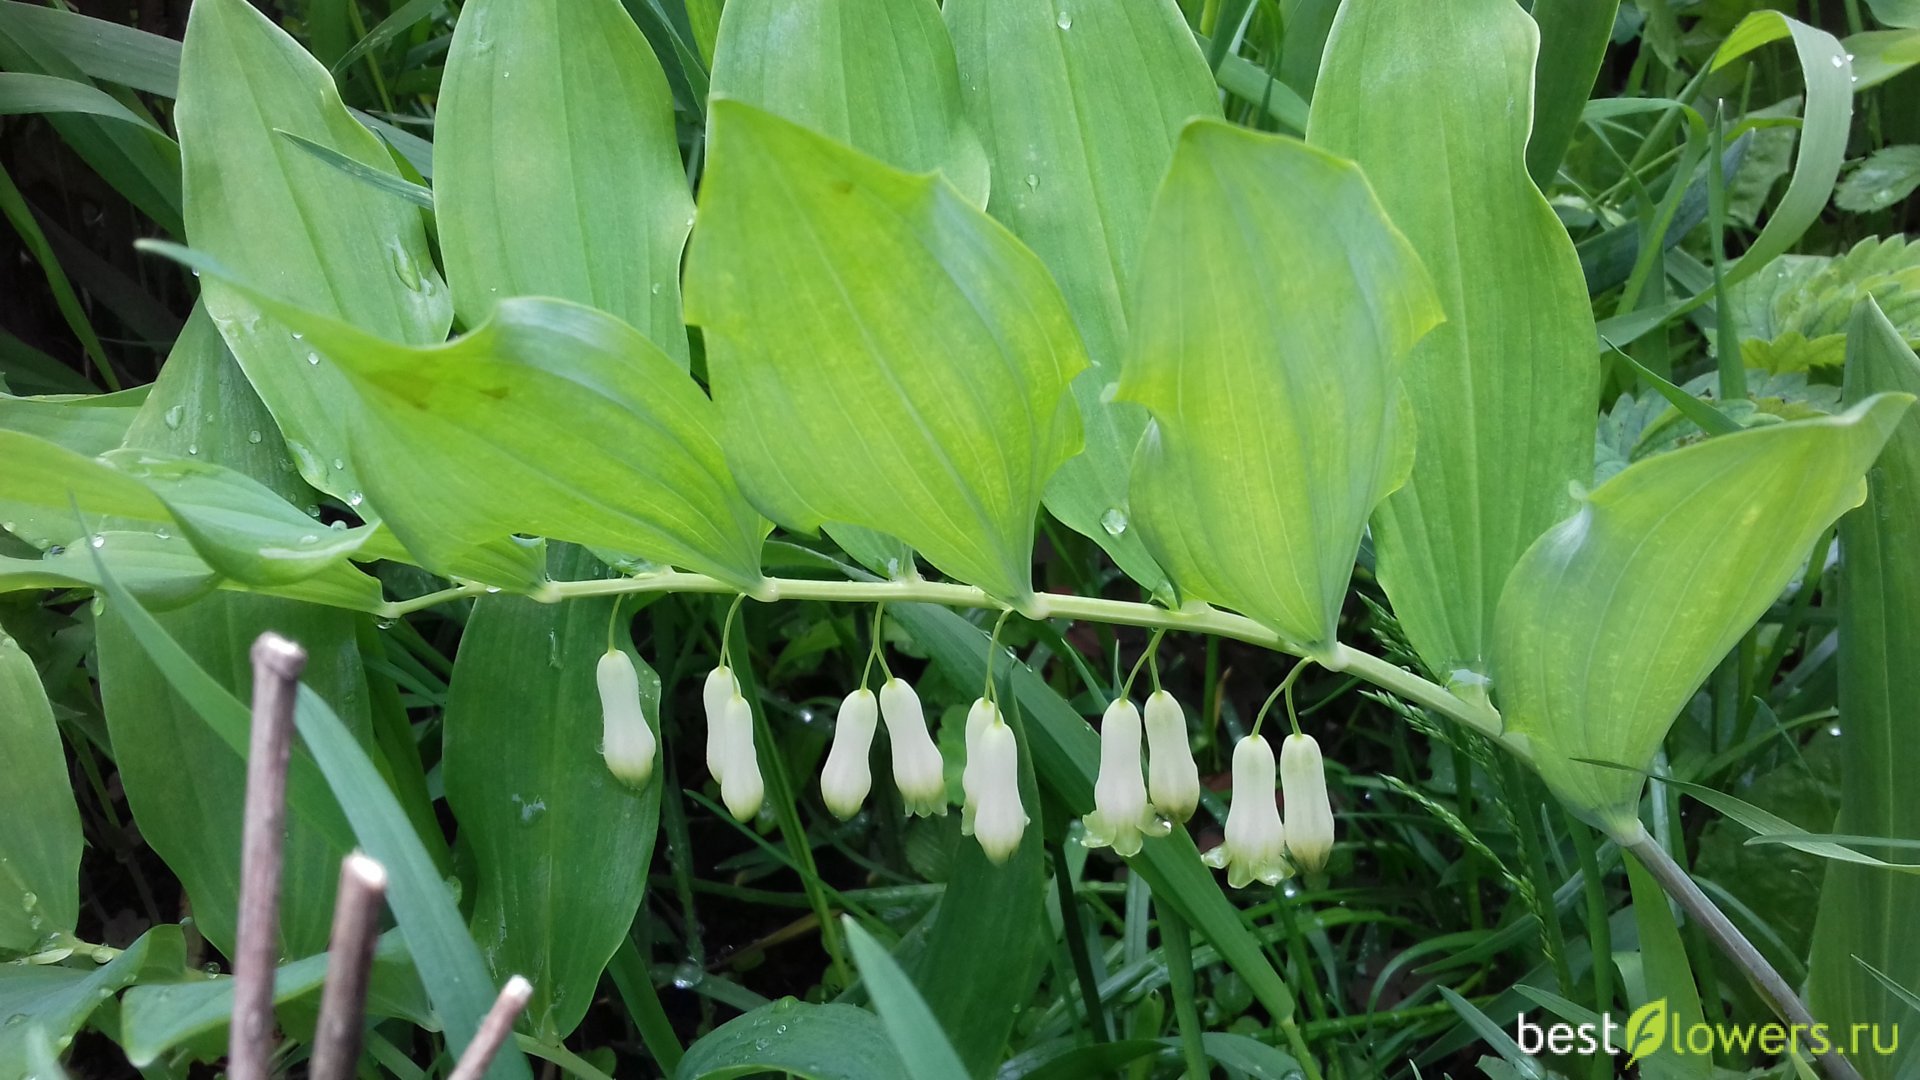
(910, 1025)
(40, 835)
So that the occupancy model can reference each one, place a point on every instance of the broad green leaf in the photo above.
(557, 842)
(156, 1018)
(882, 353)
(1503, 390)
(1274, 313)
(57, 1000)
(550, 420)
(450, 966)
(1080, 106)
(910, 1025)
(182, 765)
(1887, 177)
(296, 225)
(557, 171)
(165, 572)
(1862, 909)
(877, 75)
(40, 833)
(814, 1042)
(1614, 617)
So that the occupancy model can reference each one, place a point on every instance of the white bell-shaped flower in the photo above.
(720, 687)
(1173, 780)
(917, 770)
(999, 820)
(1303, 785)
(740, 785)
(1256, 844)
(983, 715)
(846, 777)
(626, 742)
(1121, 812)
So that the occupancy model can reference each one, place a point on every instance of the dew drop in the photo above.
(1033, 182)
(1114, 521)
(313, 358)
(656, 289)
(193, 448)
(339, 463)
(688, 975)
(1065, 22)
(28, 901)
(174, 415)
(253, 436)
(1837, 62)
(98, 542)
(162, 534)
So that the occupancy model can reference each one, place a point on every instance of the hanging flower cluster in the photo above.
(1140, 792)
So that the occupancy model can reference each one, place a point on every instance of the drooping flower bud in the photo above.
(721, 686)
(740, 785)
(983, 715)
(1256, 845)
(1121, 813)
(1303, 784)
(1173, 780)
(999, 820)
(917, 770)
(846, 778)
(626, 741)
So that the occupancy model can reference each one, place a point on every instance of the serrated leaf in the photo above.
(1278, 419)
(40, 835)
(298, 226)
(899, 362)
(1593, 660)
(1080, 106)
(1502, 390)
(551, 420)
(1886, 177)
(1794, 315)
(1860, 910)
(877, 75)
(556, 168)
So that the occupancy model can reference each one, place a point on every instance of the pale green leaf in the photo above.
(53, 1002)
(40, 833)
(909, 1023)
(1863, 910)
(550, 420)
(24, 92)
(1503, 390)
(83, 423)
(1080, 106)
(556, 168)
(882, 353)
(556, 840)
(1275, 310)
(298, 226)
(815, 1042)
(1592, 657)
(1886, 177)
(877, 75)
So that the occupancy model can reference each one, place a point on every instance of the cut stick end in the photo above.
(279, 655)
(364, 870)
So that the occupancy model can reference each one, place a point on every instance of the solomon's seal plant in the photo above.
(511, 345)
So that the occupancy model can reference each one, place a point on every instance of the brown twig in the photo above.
(277, 664)
(356, 928)
(494, 1029)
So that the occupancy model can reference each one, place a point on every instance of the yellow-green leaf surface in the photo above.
(40, 833)
(1274, 312)
(1613, 618)
(1503, 389)
(883, 354)
(299, 227)
(559, 845)
(556, 168)
(551, 420)
(1080, 106)
(877, 75)
(1865, 912)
